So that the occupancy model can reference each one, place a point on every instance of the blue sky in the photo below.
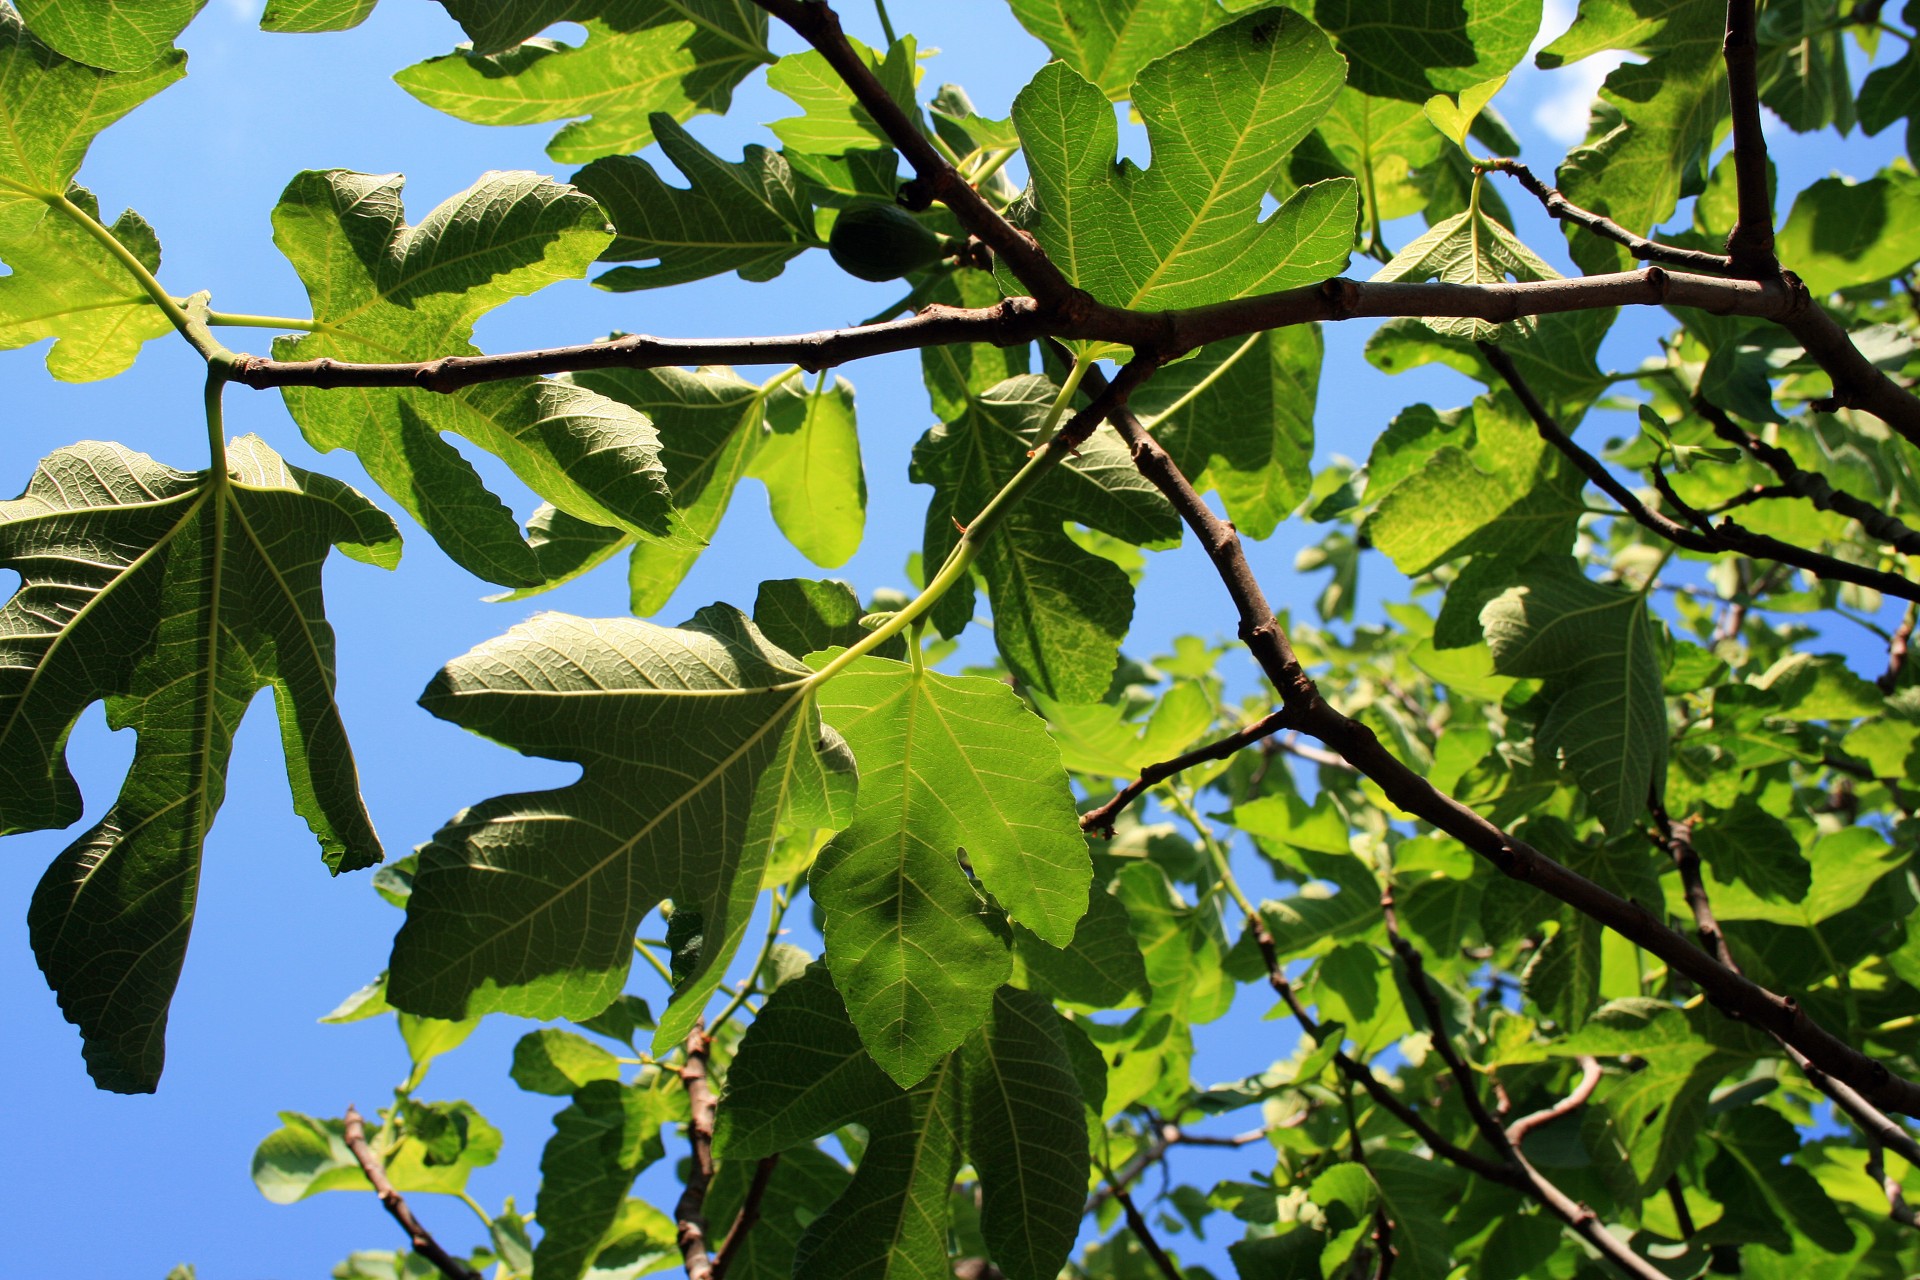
(108, 1186)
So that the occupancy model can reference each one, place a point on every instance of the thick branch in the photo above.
(1705, 537)
(1731, 992)
(418, 1236)
(1100, 821)
(1751, 243)
(1558, 206)
(689, 1214)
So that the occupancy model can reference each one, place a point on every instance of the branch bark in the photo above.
(1750, 244)
(418, 1236)
(689, 1213)
(749, 1214)
(1731, 992)
(1563, 209)
(1100, 821)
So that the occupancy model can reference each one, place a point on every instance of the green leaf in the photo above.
(1563, 978)
(1346, 1194)
(1753, 1175)
(802, 1072)
(641, 57)
(299, 16)
(948, 764)
(1656, 120)
(1844, 864)
(175, 599)
(955, 375)
(1188, 231)
(1109, 41)
(711, 422)
(559, 1062)
(1750, 845)
(599, 1145)
(1468, 248)
(64, 285)
(1100, 968)
(1410, 49)
(1595, 647)
(1890, 92)
(1390, 146)
(1841, 233)
(117, 35)
(307, 1156)
(697, 744)
(810, 462)
(1184, 947)
(1457, 118)
(382, 290)
(1238, 418)
(1025, 1135)
(1059, 611)
(835, 123)
(53, 108)
(803, 616)
(750, 217)
(1486, 485)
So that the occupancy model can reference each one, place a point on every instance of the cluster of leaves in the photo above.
(994, 1045)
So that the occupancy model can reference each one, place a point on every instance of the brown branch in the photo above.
(1729, 991)
(1578, 1217)
(1563, 209)
(1100, 821)
(1879, 1127)
(1897, 1207)
(418, 1236)
(816, 23)
(689, 1214)
(977, 1269)
(1750, 245)
(1809, 485)
(1589, 1080)
(1137, 1223)
(1705, 537)
(748, 1215)
(1898, 646)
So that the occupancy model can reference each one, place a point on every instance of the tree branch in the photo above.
(1558, 206)
(1141, 1231)
(749, 1214)
(815, 22)
(1589, 1080)
(1729, 991)
(1751, 243)
(418, 1236)
(1100, 821)
(1809, 485)
(689, 1214)
(1705, 537)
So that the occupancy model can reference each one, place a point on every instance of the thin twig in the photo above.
(689, 1214)
(1589, 1079)
(1137, 1223)
(1706, 537)
(1100, 821)
(1558, 206)
(1810, 485)
(1897, 650)
(1897, 1207)
(749, 1214)
(418, 1236)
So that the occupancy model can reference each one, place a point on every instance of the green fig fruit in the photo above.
(883, 242)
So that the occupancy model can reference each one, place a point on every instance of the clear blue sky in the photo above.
(108, 1186)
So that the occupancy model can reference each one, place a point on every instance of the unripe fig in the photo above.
(883, 242)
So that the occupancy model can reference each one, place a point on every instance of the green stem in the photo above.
(666, 974)
(781, 898)
(475, 1205)
(1200, 388)
(235, 320)
(190, 329)
(886, 23)
(216, 428)
(1215, 850)
(1044, 459)
(994, 165)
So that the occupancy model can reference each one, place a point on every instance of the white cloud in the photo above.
(1562, 115)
